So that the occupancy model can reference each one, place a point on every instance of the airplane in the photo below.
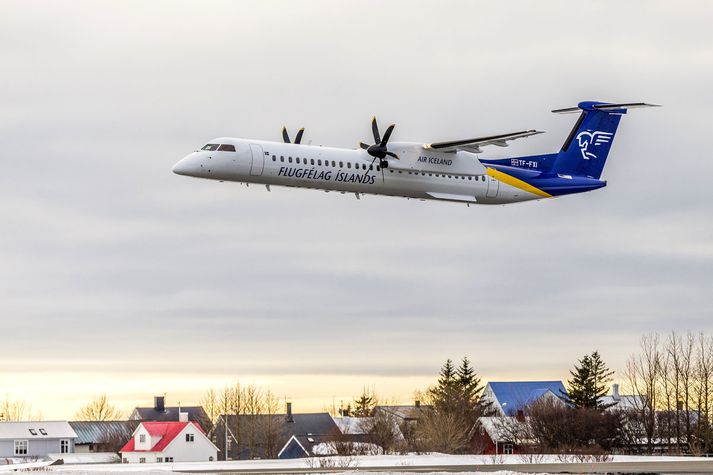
(452, 171)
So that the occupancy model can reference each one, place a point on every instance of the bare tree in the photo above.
(442, 431)
(211, 405)
(13, 411)
(643, 375)
(99, 409)
(271, 427)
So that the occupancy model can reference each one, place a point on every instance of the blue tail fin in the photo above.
(586, 149)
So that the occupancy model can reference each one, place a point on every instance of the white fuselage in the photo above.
(419, 173)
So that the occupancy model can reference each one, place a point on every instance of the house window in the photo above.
(32, 431)
(159, 459)
(507, 449)
(64, 446)
(124, 460)
(142, 438)
(169, 459)
(142, 460)
(21, 447)
(190, 437)
(43, 432)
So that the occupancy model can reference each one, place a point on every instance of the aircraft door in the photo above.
(258, 160)
(493, 186)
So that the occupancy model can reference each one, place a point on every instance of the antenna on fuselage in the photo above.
(298, 137)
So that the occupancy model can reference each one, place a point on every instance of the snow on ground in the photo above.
(359, 462)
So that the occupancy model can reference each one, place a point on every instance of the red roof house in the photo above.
(161, 442)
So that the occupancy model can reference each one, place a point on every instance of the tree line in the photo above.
(666, 405)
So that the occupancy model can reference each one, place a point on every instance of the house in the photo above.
(102, 436)
(174, 441)
(160, 412)
(498, 435)
(621, 402)
(510, 398)
(301, 446)
(35, 440)
(263, 435)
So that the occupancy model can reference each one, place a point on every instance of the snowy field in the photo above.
(380, 464)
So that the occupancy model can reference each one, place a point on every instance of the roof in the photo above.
(623, 403)
(37, 430)
(195, 413)
(513, 396)
(501, 429)
(167, 431)
(94, 432)
(403, 412)
(320, 423)
(352, 425)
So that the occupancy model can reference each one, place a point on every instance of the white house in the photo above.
(35, 440)
(157, 442)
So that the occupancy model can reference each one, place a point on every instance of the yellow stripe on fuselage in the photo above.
(517, 183)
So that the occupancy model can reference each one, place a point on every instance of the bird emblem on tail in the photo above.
(588, 138)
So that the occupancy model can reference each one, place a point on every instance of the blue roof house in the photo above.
(509, 398)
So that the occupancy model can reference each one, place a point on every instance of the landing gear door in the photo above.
(493, 185)
(258, 160)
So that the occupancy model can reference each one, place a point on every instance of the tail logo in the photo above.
(587, 139)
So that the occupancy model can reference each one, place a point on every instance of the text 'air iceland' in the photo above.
(326, 175)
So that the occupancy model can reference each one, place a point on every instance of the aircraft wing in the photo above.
(473, 145)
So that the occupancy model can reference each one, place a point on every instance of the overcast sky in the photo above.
(118, 276)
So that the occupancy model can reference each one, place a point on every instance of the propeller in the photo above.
(298, 137)
(379, 150)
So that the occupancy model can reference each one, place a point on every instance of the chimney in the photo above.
(182, 416)
(289, 413)
(159, 404)
(417, 404)
(615, 392)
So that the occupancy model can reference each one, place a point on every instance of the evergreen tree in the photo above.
(364, 405)
(445, 393)
(589, 382)
(601, 377)
(470, 389)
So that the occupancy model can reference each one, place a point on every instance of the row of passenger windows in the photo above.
(224, 147)
(363, 166)
(462, 177)
(327, 163)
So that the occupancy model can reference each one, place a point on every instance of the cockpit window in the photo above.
(226, 148)
(210, 147)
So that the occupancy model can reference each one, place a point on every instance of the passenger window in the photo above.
(297, 159)
(226, 148)
(349, 164)
(211, 147)
(341, 164)
(371, 167)
(319, 162)
(311, 161)
(274, 158)
(334, 164)
(282, 159)
(289, 159)
(377, 168)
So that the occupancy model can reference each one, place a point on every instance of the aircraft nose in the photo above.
(186, 166)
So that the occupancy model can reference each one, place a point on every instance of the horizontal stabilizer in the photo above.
(474, 144)
(602, 106)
